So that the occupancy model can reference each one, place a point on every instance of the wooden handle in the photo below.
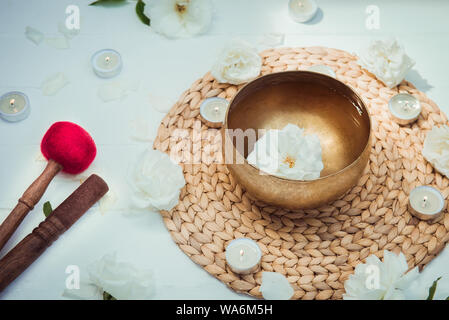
(29, 199)
(61, 219)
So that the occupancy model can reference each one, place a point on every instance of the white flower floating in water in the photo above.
(275, 286)
(238, 63)
(376, 280)
(121, 280)
(436, 149)
(156, 181)
(179, 18)
(288, 153)
(387, 60)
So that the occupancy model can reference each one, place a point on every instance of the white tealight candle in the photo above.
(321, 68)
(106, 63)
(404, 108)
(426, 203)
(14, 106)
(302, 10)
(243, 255)
(213, 111)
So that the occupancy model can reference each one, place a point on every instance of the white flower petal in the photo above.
(275, 286)
(394, 294)
(405, 281)
(139, 201)
(34, 35)
(54, 83)
(107, 201)
(112, 91)
(117, 90)
(271, 39)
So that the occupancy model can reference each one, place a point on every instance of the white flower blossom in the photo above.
(387, 60)
(288, 153)
(179, 18)
(376, 280)
(156, 181)
(237, 63)
(436, 149)
(121, 280)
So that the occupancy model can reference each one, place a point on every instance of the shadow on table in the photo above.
(418, 81)
(317, 18)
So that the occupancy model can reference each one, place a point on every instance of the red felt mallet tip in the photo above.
(69, 145)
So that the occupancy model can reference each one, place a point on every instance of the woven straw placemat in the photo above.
(315, 249)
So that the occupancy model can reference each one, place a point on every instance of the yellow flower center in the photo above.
(181, 7)
(290, 161)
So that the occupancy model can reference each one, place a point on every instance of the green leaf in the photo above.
(108, 3)
(47, 208)
(139, 11)
(107, 296)
(447, 298)
(432, 289)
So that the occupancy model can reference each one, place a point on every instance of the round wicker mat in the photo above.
(315, 249)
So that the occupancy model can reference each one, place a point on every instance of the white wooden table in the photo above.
(164, 68)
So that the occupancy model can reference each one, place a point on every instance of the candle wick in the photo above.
(300, 4)
(107, 59)
(241, 254)
(12, 102)
(216, 109)
(424, 202)
(406, 106)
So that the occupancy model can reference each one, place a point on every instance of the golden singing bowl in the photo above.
(321, 105)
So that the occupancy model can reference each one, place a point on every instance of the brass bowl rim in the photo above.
(367, 145)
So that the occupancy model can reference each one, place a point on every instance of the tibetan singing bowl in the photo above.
(318, 103)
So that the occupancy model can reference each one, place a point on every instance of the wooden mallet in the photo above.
(67, 147)
(62, 218)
